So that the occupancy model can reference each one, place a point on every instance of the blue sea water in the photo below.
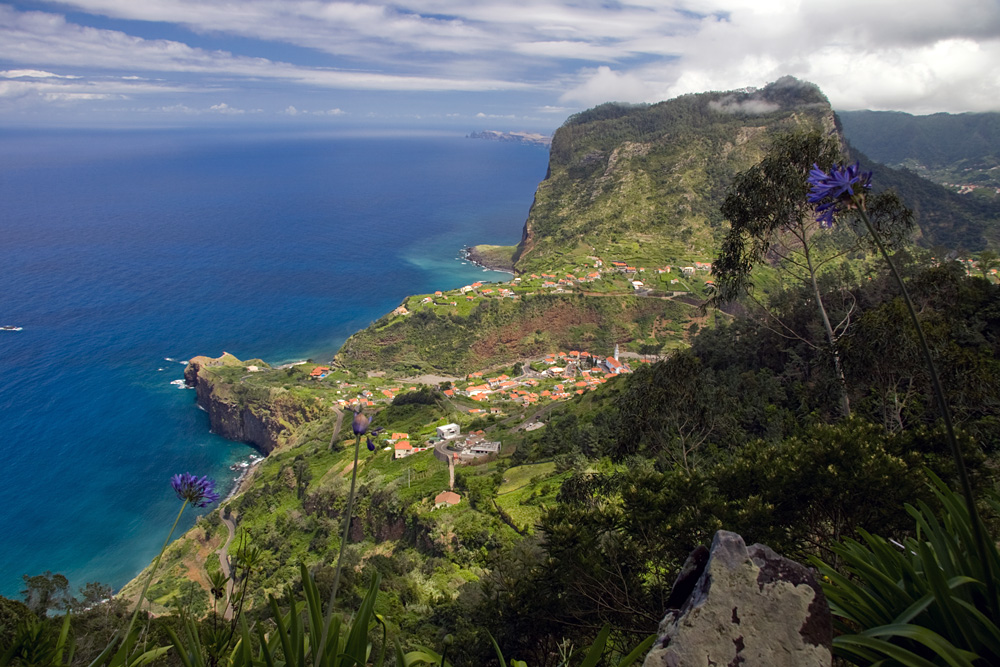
(124, 254)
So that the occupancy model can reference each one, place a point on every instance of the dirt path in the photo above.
(336, 427)
(223, 553)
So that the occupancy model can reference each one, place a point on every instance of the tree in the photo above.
(773, 223)
(44, 592)
(303, 475)
(12, 614)
(94, 593)
(671, 410)
(987, 261)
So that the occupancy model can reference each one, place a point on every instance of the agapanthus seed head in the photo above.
(199, 491)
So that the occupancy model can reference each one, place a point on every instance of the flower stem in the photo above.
(347, 522)
(152, 572)
(963, 474)
(340, 557)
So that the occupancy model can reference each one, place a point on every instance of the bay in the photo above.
(123, 254)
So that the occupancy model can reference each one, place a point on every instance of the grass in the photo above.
(528, 490)
(519, 476)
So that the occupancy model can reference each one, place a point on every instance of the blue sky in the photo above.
(477, 64)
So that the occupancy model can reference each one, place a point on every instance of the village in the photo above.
(482, 397)
(593, 278)
(487, 396)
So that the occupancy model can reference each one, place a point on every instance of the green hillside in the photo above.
(643, 184)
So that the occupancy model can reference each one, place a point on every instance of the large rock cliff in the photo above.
(263, 416)
(644, 183)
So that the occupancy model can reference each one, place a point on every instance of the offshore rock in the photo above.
(737, 606)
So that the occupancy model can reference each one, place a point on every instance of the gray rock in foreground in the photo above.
(736, 606)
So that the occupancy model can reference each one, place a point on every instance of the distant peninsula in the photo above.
(515, 137)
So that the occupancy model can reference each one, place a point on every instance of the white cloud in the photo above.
(224, 108)
(915, 56)
(912, 55)
(607, 85)
(748, 107)
(33, 74)
(41, 38)
(494, 116)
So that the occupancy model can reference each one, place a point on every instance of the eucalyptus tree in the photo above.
(772, 223)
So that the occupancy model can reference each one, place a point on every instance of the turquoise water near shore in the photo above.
(123, 254)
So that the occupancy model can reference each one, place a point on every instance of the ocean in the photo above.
(123, 254)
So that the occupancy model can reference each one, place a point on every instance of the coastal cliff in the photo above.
(237, 410)
(643, 183)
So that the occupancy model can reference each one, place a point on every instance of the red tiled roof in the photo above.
(449, 497)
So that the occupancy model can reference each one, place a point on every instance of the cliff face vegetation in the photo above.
(655, 175)
(261, 416)
(499, 331)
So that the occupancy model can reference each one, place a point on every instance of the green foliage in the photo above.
(301, 636)
(944, 218)
(423, 396)
(37, 644)
(935, 140)
(766, 207)
(922, 601)
(12, 614)
(500, 331)
(46, 592)
(655, 174)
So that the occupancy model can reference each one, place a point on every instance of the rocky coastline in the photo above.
(477, 256)
(236, 413)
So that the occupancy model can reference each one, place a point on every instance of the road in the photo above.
(223, 553)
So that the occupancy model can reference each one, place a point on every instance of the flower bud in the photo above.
(360, 423)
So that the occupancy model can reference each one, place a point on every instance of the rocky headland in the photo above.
(260, 416)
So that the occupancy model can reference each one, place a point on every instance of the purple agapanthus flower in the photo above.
(371, 445)
(199, 491)
(829, 190)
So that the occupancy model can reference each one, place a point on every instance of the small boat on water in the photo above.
(10, 327)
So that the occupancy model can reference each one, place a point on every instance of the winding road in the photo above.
(223, 553)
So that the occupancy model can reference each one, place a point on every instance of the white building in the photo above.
(448, 431)
(484, 448)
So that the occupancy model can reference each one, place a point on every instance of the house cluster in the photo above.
(581, 370)
(470, 292)
(964, 189)
(472, 444)
(549, 281)
(368, 398)
(621, 268)
(971, 267)
(588, 364)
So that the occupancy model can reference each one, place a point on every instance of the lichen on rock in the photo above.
(743, 606)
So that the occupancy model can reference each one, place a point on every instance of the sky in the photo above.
(476, 64)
